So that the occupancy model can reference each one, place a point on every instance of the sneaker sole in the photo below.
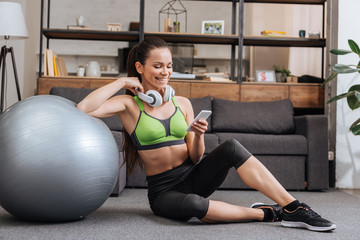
(307, 226)
(258, 203)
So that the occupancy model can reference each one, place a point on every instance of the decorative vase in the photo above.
(93, 69)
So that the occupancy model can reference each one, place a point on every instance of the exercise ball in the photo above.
(57, 163)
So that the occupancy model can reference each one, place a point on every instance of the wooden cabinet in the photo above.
(302, 95)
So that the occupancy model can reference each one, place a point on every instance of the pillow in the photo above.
(199, 104)
(275, 117)
(78, 94)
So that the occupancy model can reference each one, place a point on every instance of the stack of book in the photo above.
(217, 77)
(78, 27)
(54, 65)
(269, 33)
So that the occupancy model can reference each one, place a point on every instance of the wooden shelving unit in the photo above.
(233, 39)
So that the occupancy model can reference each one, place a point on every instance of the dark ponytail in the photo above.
(139, 53)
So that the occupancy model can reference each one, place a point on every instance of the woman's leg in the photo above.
(257, 176)
(223, 212)
(209, 175)
(214, 170)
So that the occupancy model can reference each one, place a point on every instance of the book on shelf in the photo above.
(54, 65)
(78, 27)
(269, 33)
(61, 66)
(217, 77)
(49, 63)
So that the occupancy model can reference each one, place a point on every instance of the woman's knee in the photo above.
(195, 205)
(238, 153)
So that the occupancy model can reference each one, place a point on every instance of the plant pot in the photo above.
(280, 77)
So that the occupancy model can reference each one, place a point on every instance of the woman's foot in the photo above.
(305, 217)
(272, 213)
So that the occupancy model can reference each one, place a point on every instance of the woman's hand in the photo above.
(132, 83)
(199, 127)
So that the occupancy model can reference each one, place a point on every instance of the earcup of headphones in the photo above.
(169, 93)
(156, 97)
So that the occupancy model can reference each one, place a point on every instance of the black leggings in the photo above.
(181, 193)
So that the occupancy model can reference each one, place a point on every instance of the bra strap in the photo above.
(174, 102)
(139, 102)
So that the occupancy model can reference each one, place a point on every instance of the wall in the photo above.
(18, 46)
(347, 145)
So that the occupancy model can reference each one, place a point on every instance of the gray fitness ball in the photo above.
(56, 162)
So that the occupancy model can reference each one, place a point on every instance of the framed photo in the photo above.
(265, 76)
(212, 27)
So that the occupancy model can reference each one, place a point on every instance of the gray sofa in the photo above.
(293, 148)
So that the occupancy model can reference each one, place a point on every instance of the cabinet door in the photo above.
(307, 96)
(227, 91)
(45, 84)
(96, 83)
(263, 93)
(181, 88)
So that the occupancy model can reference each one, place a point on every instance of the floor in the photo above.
(355, 192)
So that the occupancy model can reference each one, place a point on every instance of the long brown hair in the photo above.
(139, 53)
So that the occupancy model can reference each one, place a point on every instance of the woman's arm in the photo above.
(195, 139)
(100, 102)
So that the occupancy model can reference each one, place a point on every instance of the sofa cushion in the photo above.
(78, 94)
(288, 170)
(199, 104)
(275, 117)
(211, 142)
(268, 144)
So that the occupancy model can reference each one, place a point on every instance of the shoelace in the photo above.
(311, 213)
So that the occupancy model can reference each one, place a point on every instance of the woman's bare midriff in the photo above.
(162, 159)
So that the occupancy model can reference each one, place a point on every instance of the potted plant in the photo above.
(281, 73)
(353, 94)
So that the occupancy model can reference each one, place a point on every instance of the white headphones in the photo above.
(154, 98)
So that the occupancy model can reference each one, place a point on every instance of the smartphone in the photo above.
(204, 114)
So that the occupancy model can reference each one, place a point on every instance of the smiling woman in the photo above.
(179, 184)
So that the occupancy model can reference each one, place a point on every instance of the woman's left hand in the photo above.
(199, 127)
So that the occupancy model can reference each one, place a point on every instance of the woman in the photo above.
(179, 179)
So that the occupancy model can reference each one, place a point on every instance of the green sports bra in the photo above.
(152, 133)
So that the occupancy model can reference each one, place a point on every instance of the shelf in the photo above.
(194, 38)
(183, 38)
(284, 41)
(287, 1)
(91, 35)
(268, 1)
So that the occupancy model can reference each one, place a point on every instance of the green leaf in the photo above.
(338, 97)
(355, 123)
(354, 47)
(340, 51)
(331, 77)
(342, 68)
(352, 100)
(355, 130)
(357, 95)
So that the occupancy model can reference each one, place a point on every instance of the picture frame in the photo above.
(265, 76)
(213, 27)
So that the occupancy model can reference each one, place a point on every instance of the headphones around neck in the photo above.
(154, 98)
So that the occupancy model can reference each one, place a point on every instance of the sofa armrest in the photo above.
(315, 129)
